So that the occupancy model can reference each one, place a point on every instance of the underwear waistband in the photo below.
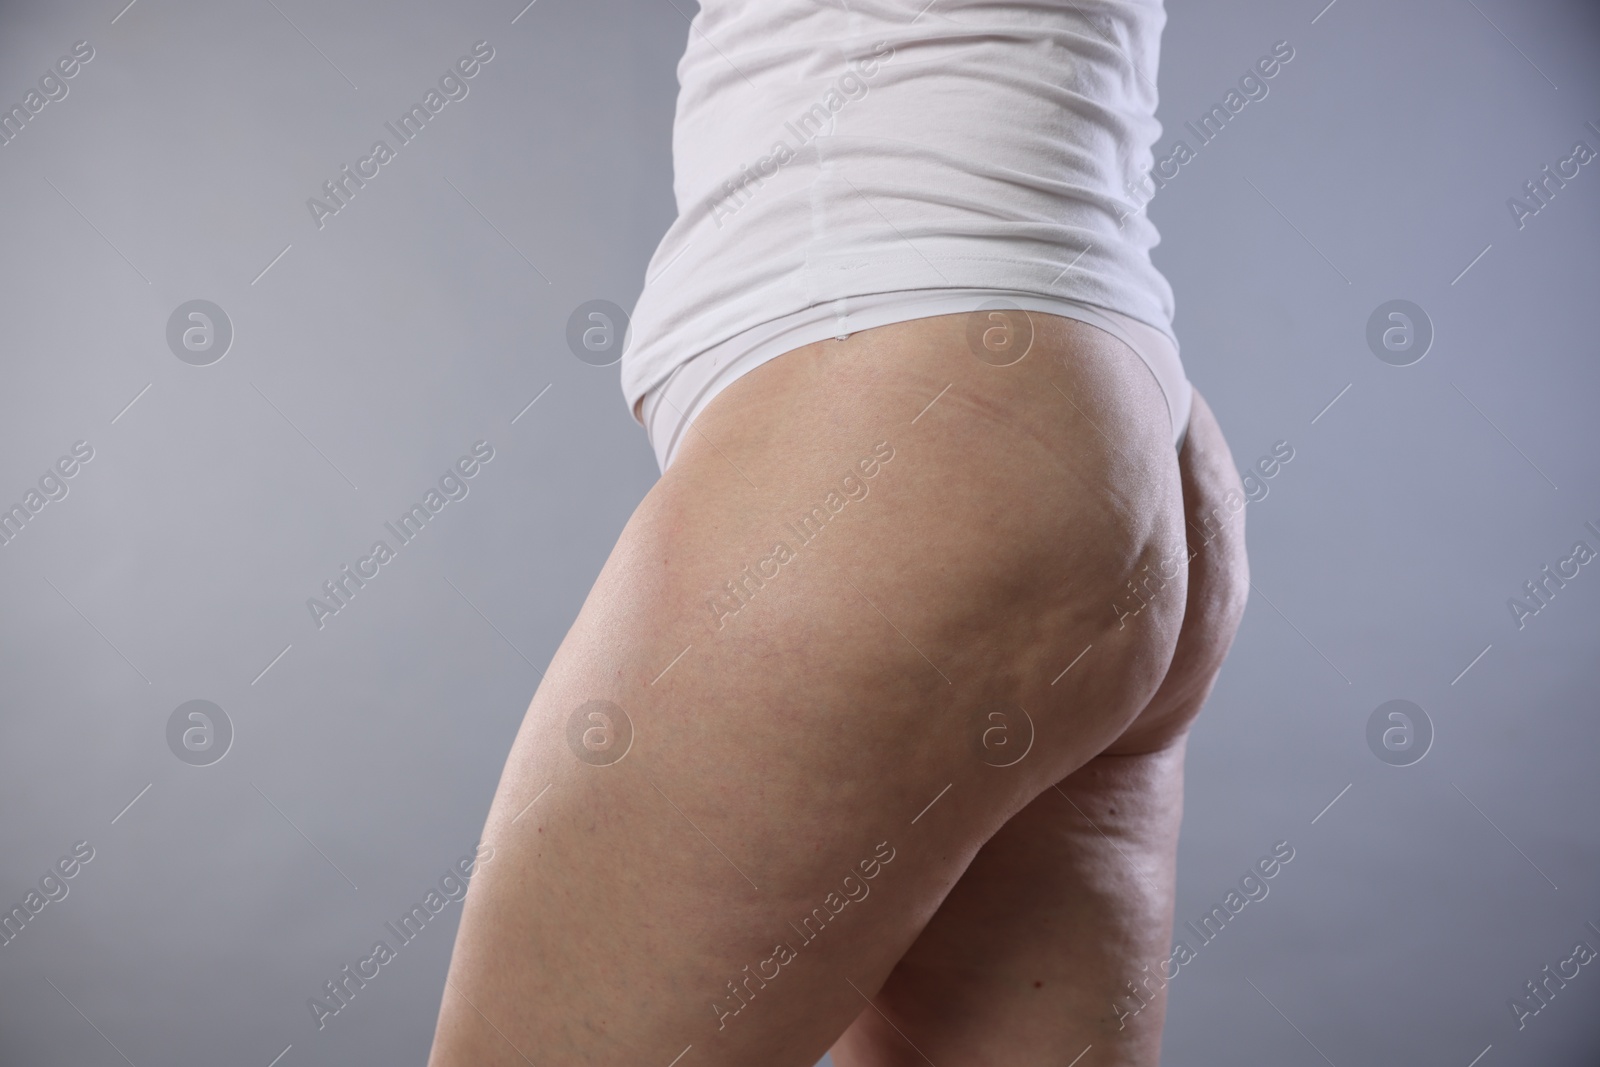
(667, 410)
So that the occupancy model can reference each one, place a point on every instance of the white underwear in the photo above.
(669, 408)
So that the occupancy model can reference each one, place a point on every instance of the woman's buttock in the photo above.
(1021, 501)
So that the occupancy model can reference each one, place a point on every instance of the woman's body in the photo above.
(898, 610)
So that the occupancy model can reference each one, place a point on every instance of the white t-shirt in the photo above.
(826, 150)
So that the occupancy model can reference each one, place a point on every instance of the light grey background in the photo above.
(430, 311)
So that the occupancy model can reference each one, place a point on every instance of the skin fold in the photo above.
(816, 829)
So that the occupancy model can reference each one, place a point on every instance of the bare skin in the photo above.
(810, 833)
(1031, 956)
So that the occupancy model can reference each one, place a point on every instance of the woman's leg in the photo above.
(865, 551)
(1054, 939)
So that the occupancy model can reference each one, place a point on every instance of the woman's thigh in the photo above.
(1057, 937)
(864, 552)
